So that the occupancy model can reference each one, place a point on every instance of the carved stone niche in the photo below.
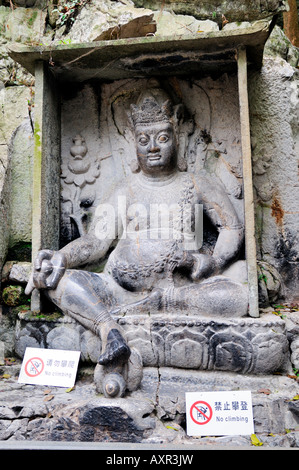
(84, 147)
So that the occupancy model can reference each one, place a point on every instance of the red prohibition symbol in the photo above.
(34, 367)
(201, 412)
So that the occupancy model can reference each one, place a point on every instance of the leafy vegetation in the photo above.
(67, 11)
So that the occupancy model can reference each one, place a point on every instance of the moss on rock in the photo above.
(13, 295)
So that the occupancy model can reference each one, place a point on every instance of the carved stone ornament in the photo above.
(78, 175)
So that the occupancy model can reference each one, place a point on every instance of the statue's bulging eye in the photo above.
(163, 138)
(143, 140)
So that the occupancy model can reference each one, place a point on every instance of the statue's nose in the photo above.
(153, 146)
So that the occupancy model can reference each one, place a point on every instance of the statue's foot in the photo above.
(155, 298)
(152, 301)
(116, 349)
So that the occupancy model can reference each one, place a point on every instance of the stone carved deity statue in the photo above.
(153, 223)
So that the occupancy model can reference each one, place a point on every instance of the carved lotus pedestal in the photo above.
(244, 346)
(247, 345)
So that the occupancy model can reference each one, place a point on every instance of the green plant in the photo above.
(277, 311)
(67, 11)
(63, 42)
(262, 276)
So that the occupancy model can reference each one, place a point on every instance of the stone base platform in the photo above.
(244, 345)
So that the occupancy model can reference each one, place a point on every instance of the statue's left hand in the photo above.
(48, 269)
(204, 266)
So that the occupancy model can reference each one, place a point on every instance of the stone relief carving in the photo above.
(158, 265)
(78, 174)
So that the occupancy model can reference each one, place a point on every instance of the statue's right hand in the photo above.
(49, 267)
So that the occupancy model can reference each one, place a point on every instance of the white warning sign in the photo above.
(54, 367)
(219, 413)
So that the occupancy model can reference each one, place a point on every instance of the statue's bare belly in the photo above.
(140, 264)
(146, 253)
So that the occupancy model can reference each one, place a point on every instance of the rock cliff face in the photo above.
(274, 120)
(234, 10)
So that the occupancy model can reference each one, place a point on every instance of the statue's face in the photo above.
(156, 148)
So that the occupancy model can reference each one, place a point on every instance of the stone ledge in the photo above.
(154, 414)
(245, 345)
(110, 58)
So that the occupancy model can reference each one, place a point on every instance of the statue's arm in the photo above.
(228, 245)
(49, 266)
(219, 209)
(84, 250)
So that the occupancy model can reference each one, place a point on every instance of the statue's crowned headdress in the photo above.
(150, 111)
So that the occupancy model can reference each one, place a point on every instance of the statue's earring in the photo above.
(134, 165)
(182, 164)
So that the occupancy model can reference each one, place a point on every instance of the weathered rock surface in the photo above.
(14, 112)
(233, 10)
(17, 271)
(274, 108)
(21, 24)
(102, 20)
(152, 415)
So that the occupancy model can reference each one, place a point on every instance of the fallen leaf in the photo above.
(49, 397)
(296, 397)
(5, 376)
(68, 390)
(172, 427)
(255, 440)
(47, 391)
(266, 391)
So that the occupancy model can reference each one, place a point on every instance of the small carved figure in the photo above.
(77, 173)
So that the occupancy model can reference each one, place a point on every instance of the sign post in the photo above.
(219, 413)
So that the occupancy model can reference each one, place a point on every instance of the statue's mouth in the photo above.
(154, 157)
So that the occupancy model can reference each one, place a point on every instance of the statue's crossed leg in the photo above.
(92, 299)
